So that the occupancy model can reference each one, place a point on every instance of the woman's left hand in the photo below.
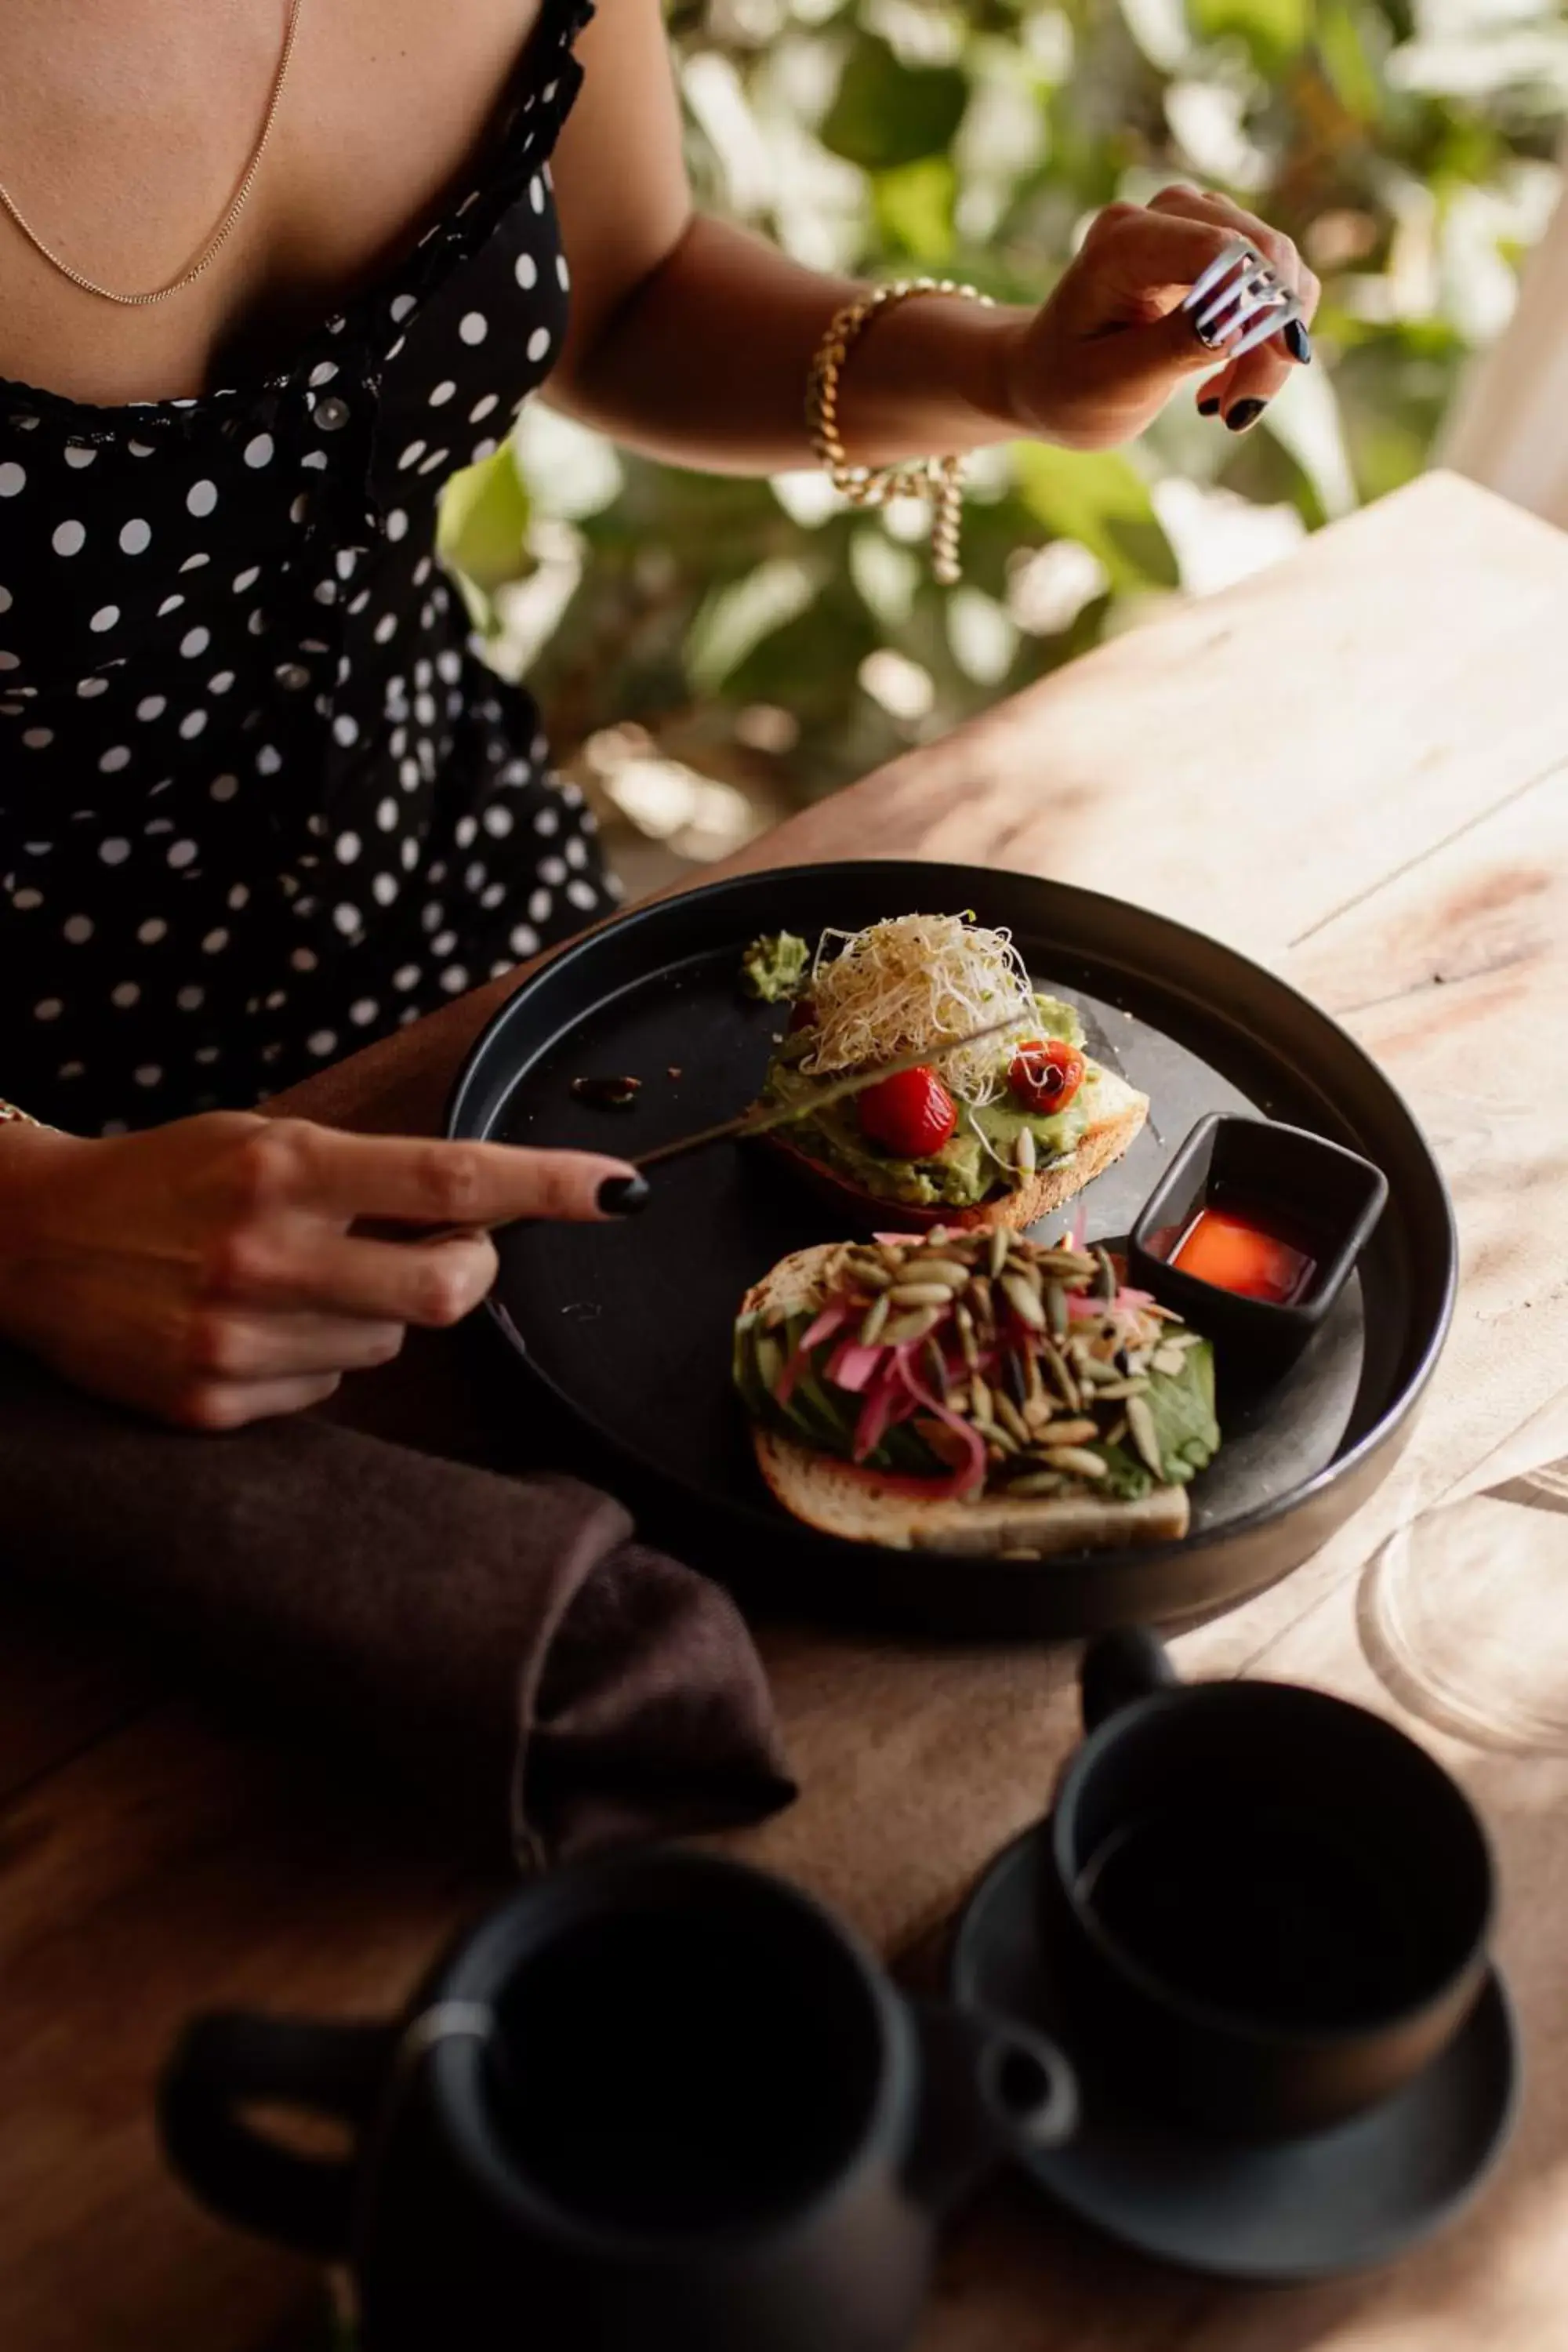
(1102, 357)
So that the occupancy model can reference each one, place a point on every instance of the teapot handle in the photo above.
(228, 2060)
(1120, 1668)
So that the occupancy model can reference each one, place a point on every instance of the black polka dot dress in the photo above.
(260, 801)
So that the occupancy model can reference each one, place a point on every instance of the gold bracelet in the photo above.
(940, 479)
(9, 1111)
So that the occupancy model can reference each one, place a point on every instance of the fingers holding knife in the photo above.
(559, 1181)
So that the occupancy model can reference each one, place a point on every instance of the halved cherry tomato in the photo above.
(1045, 1075)
(911, 1115)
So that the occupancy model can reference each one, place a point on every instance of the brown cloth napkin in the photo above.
(481, 1632)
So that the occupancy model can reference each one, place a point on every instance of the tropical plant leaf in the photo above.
(1341, 36)
(483, 525)
(1098, 498)
(735, 620)
(1274, 30)
(887, 113)
(914, 209)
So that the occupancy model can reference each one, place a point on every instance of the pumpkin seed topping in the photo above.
(874, 1320)
(1144, 1435)
(1078, 1459)
(904, 1330)
(1024, 1302)
(1010, 1419)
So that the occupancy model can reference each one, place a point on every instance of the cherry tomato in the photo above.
(1045, 1075)
(911, 1115)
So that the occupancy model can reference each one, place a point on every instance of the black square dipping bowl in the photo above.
(1315, 1196)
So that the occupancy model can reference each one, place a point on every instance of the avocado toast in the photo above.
(999, 1135)
(970, 1393)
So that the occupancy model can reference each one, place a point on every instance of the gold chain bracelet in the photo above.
(9, 1112)
(940, 479)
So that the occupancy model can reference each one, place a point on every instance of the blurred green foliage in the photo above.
(766, 635)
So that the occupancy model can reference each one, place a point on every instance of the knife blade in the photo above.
(760, 1122)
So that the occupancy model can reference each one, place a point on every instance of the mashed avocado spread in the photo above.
(773, 967)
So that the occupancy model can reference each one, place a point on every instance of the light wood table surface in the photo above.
(1353, 767)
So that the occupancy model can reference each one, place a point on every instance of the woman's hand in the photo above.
(1106, 353)
(206, 1271)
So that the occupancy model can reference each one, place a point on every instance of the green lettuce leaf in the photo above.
(1126, 1480)
(1182, 1404)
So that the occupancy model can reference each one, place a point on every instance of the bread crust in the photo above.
(839, 1500)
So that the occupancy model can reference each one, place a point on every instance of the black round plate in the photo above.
(628, 1325)
(1305, 2209)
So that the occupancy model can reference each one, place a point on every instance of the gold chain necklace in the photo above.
(220, 235)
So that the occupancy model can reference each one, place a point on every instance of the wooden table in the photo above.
(1355, 768)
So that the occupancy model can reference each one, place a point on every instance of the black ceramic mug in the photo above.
(655, 2100)
(1272, 1908)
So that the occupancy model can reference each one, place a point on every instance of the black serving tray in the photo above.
(624, 1328)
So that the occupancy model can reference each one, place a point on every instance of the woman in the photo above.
(260, 802)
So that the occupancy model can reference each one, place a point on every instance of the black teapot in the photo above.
(659, 2099)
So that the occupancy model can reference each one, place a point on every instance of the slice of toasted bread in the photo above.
(861, 1506)
(1116, 1112)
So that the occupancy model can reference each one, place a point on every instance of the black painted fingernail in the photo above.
(1245, 413)
(1209, 407)
(1298, 342)
(619, 1196)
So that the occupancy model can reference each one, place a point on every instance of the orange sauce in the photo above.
(1238, 1252)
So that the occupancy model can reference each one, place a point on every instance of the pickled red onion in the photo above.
(878, 1412)
(832, 1318)
(852, 1365)
(970, 1478)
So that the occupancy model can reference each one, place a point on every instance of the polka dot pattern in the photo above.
(260, 802)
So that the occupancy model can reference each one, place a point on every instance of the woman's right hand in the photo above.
(207, 1271)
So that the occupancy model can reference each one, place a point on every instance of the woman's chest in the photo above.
(128, 148)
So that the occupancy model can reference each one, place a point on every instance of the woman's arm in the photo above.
(692, 340)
